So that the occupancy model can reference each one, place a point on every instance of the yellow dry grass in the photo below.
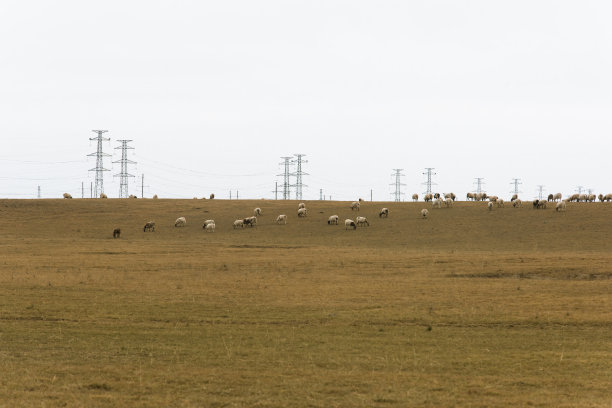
(478, 308)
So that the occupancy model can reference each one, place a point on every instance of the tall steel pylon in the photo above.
(298, 175)
(286, 185)
(99, 169)
(540, 191)
(124, 175)
(428, 183)
(397, 194)
(479, 184)
(516, 183)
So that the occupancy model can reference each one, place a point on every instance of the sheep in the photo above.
(490, 205)
(574, 197)
(116, 232)
(301, 205)
(132, 196)
(302, 212)
(238, 223)
(355, 205)
(517, 203)
(436, 196)
(424, 213)
(437, 203)
(493, 199)
(250, 221)
(608, 197)
(557, 197)
(67, 196)
(212, 196)
(470, 196)
(415, 197)
(600, 197)
(149, 226)
(360, 199)
(210, 227)
(155, 197)
(560, 206)
(500, 203)
(207, 222)
(257, 212)
(591, 198)
(582, 197)
(180, 222)
(550, 197)
(448, 202)
(102, 195)
(514, 197)
(537, 204)
(428, 197)
(384, 213)
(361, 221)
(281, 219)
(349, 224)
(333, 220)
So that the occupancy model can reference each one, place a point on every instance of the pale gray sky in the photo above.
(214, 92)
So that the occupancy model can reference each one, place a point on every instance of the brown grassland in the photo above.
(469, 308)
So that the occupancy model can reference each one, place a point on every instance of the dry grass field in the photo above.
(469, 308)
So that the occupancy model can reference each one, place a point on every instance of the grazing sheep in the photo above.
(117, 233)
(257, 212)
(600, 197)
(361, 221)
(155, 197)
(428, 197)
(349, 224)
(415, 197)
(210, 227)
(67, 196)
(180, 222)
(102, 195)
(437, 195)
(424, 213)
(550, 197)
(490, 205)
(332, 220)
(514, 197)
(470, 196)
(212, 196)
(517, 203)
(500, 203)
(384, 213)
(560, 206)
(132, 196)
(557, 197)
(238, 223)
(302, 212)
(591, 198)
(207, 222)
(608, 197)
(539, 204)
(281, 219)
(355, 205)
(250, 221)
(574, 197)
(301, 205)
(360, 199)
(437, 203)
(493, 199)
(149, 226)
(448, 202)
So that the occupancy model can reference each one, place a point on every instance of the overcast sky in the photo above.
(213, 93)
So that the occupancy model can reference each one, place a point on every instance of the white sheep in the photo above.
(301, 205)
(517, 203)
(67, 196)
(557, 197)
(281, 219)
(238, 224)
(448, 202)
(102, 195)
(428, 197)
(333, 220)
(500, 202)
(470, 196)
(415, 197)
(348, 223)
(252, 221)
(257, 212)
(180, 222)
(384, 213)
(302, 212)
(514, 197)
(155, 197)
(437, 203)
(560, 206)
(361, 221)
(490, 205)
(493, 199)
(210, 227)
(424, 213)
(355, 205)
(207, 222)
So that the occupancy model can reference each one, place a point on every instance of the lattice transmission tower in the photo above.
(479, 183)
(124, 175)
(286, 184)
(298, 175)
(397, 194)
(99, 169)
(516, 182)
(540, 191)
(428, 183)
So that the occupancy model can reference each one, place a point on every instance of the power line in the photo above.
(428, 183)
(397, 194)
(99, 169)
(286, 185)
(298, 175)
(124, 175)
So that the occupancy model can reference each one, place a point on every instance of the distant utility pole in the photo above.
(516, 183)
(298, 175)
(38, 195)
(479, 184)
(428, 183)
(142, 185)
(321, 194)
(90, 189)
(540, 191)
(286, 185)
(99, 169)
(123, 176)
(397, 194)
(370, 195)
(82, 189)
